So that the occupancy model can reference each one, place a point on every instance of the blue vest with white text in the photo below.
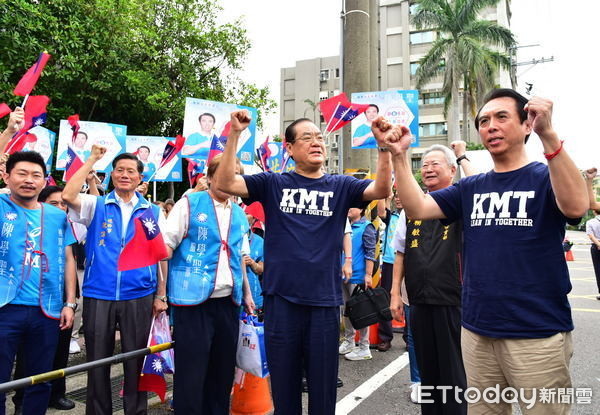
(388, 249)
(256, 253)
(193, 268)
(103, 247)
(50, 253)
(359, 267)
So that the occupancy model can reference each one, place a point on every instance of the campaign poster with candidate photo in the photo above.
(400, 107)
(149, 150)
(43, 145)
(111, 136)
(277, 161)
(205, 119)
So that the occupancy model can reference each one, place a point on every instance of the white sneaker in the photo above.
(346, 347)
(74, 347)
(360, 353)
(415, 392)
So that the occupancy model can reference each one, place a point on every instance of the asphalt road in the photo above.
(377, 386)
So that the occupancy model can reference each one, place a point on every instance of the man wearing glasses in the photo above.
(306, 212)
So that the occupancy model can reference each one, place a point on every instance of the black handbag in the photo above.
(367, 307)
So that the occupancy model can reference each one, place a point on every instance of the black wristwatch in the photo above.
(461, 158)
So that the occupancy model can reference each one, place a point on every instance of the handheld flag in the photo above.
(73, 121)
(4, 110)
(74, 163)
(35, 114)
(147, 246)
(171, 150)
(217, 145)
(152, 378)
(50, 181)
(28, 81)
(339, 111)
(264, 152)
(195, 170)
(256, 210)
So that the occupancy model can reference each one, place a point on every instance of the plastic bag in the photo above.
(251, 356)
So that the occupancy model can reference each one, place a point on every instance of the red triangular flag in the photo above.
(27, 83)
(4, 110)
(339, 111)
(147, 246)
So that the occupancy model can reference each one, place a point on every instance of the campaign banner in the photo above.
(111, 136)
(279, 162)
(44, 144)
(149, 149)
(204, 120)
(400, 107)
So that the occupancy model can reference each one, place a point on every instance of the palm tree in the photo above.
(468, 51)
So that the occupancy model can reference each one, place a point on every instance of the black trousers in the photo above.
(385, 327)
(301, 337)
(101, 317)
(436, 334)
(596, 261)
(206, 337)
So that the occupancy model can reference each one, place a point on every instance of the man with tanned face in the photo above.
(306, 213)
(516, 317)
(35, 268)
(111, 297)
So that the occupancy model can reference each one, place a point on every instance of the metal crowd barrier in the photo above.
(56, 374)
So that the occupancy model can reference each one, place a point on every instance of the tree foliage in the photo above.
(129, 62)
(468, 50)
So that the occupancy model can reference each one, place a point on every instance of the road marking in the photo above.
(358, 395)
(587, 296)
(589, 310)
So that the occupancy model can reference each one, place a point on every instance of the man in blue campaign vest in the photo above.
(111, 297)
(305, 213)
(34, 242)
(515, 278)
(205, 232)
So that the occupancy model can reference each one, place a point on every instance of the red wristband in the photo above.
(552, 155)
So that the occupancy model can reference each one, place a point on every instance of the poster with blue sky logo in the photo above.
(44, 144)
(110, 136)
(400, 107)
(149, 150)
(205, 119)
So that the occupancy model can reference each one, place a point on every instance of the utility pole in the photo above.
(356, 71)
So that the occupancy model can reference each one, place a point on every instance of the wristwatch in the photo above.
(162, 298)
(461, 158)
(71, 305)
(383, 149)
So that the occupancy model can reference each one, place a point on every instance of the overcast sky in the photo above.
(284, 31)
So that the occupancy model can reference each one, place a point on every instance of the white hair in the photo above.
(449, 154)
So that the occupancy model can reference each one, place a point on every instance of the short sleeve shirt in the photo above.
(305, 221)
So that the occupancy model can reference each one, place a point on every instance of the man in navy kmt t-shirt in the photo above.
(305, 217)
(516, 316)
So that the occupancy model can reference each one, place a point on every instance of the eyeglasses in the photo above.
(308, 137)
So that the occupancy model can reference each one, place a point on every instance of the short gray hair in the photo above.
(450, 157)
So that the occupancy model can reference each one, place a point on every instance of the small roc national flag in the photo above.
(74, 163)
(147, 246)
(339, 111)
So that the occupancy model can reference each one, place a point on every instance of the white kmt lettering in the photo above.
(288, 198)
(478, 200)
(309, 200)
(308, 197)
(499, 204)
(523, 196)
